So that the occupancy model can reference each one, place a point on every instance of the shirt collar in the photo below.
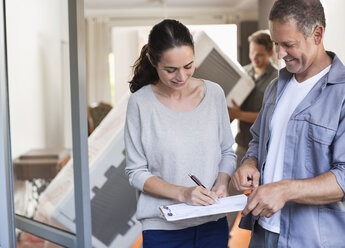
(336, 74)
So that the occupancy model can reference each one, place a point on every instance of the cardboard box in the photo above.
(213, 64)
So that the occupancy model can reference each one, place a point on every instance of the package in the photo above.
(213, 64)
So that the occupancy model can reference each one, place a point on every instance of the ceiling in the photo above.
(234, 5)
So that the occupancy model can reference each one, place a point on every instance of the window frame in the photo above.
(9, 220)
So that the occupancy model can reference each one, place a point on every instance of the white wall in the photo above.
(335, 33)
(225, 37)
(36, 38)
(125, 49)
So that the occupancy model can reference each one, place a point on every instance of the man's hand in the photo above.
(247, 176)
(266, 199)
(234, 111)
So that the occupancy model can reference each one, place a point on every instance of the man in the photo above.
(262, 71)
(297, 151)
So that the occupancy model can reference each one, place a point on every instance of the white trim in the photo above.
(79, 124)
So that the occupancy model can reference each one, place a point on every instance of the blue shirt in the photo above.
(315, 144)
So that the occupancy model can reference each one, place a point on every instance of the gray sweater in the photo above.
(167, 144)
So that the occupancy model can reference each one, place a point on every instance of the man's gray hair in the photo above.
(307, 13)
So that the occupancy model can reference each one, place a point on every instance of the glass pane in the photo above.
(108, 93)
(40, 110)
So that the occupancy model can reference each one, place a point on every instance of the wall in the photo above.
(98, 37)
(37, 35)
(125, 49)
(335, 35)
(264, 11)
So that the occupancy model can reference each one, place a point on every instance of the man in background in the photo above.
(262, 71)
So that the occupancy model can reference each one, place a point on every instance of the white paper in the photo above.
(184, 211)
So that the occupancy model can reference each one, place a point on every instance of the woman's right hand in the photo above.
(198, 196)
(190, 195)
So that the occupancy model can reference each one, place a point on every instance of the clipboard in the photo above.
(184, 211)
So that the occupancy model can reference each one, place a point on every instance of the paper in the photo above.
(184, 211)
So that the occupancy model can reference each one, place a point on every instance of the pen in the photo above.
(196, 180)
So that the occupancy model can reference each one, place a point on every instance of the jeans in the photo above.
(261, 238)
(210, 234)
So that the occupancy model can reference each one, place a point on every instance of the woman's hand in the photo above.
(221, 185)
(190, 195)
(198, 196)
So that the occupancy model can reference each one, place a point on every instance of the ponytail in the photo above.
(163, 36)
(143, 70)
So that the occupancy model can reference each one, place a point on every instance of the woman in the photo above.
(176, 125)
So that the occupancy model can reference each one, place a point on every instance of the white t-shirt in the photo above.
(292, 96)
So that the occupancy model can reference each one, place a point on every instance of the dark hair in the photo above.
(262, 38)
(307, 13)
(163, 36)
